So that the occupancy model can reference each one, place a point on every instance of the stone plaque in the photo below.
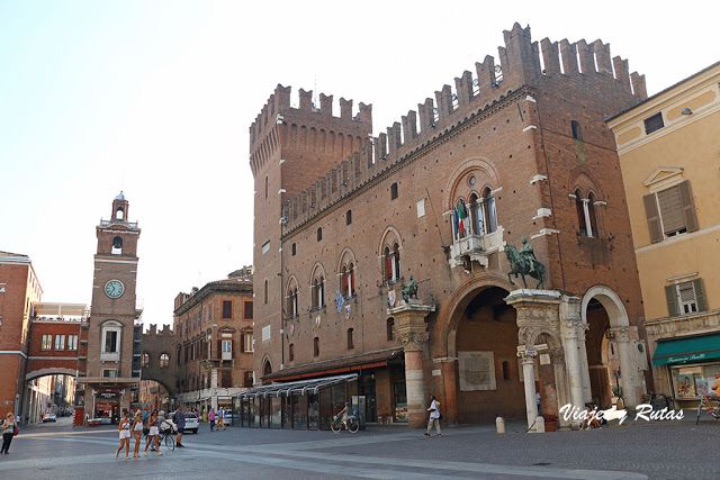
(477, 371)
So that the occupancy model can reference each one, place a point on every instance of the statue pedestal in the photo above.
(411, 332)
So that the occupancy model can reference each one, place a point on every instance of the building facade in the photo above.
(113, 358)
(668, 147)
(213, 328)
(19, 291)
(392, 257)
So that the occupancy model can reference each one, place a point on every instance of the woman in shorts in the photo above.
(124, 433)
(153, 436)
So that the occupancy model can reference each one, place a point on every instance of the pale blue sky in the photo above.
(155, 98)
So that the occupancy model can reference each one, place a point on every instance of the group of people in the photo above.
(216, 420)
(150, 425)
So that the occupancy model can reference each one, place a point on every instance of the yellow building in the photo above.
(669, 149)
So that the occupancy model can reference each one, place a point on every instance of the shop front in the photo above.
(692, 365)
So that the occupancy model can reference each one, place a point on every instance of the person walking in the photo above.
(434, 419)
(124, 435)
(137, 432)
(220, 420)
(211, 419)
(179, 419)
(153, 436)
(8, 427)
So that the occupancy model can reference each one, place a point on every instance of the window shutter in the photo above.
(688, 208)
(671, 209)
(671, 298)
(653, 218)
(700, 295)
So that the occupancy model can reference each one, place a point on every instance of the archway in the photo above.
(49, 391)
(484, 340)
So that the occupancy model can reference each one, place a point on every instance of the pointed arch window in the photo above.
(318, 292)
(392, 263)
(585, 208)
(347, 280)
(292, 302)
(489, 212)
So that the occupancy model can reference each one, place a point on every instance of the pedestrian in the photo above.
(153, 436)
(179, 419)
(124, 435)
(137, 432)
(434, 419)
(8, 427)
(220, 420)
(211, 419)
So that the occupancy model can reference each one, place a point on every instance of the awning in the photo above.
(299, 387)
(687, 350)
(337, 366)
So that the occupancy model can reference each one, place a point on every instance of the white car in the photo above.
(192, 423)
(49, 417)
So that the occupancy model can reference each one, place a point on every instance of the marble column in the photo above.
(628, 368)
(411, 332)
(528, 367)
(572, 359)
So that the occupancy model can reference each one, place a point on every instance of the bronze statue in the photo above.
(410, 289)
(524, 262)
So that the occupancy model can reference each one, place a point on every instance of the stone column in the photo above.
(628, 368)
(528, 367)
(571, 326)
(411, 332)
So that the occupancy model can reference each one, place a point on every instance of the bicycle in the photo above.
(706, 405)
(167, 437)
(352, 424)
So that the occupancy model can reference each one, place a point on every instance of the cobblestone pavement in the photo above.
(672, 450)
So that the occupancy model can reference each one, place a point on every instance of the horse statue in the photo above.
(524, 263)
(410, 290)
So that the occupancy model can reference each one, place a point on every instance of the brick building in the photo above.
(668, 147)
(19, 291)
(213, 328)
(344, 220)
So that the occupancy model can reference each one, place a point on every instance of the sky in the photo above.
(154, 98)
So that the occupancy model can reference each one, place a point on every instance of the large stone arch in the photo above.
(43, 372)
(612, 303)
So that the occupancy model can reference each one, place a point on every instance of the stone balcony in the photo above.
(476, 247)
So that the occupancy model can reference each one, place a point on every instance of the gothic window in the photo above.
(489, 213)
(392, 263)
(292, 301)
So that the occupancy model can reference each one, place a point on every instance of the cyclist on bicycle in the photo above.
(344, 414)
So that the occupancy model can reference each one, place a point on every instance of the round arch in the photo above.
(611, 302)
(49, 371)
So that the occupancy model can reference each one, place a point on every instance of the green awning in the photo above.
(687, 350)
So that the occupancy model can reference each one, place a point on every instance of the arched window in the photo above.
(392, 263)
(145, 360)
(320, 292)
(164, 360)
(477, 219)
(585, 208)
(347, 280)
(117, 246)
(292, 302)
(390, 329)
(267, 368)
(120, 214)
(489, 213)
(576, 130)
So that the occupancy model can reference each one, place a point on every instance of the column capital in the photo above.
(526, 355)
(412, 341)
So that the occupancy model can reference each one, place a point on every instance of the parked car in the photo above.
(49, 417)
(192, 423)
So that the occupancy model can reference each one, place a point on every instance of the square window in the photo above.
(654, 123)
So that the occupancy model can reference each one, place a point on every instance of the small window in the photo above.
(164, 360)
(654, 123)
(576, 130)
(227, 309)
(265, 292)
(59, 342)
(145, 360)
(266, 186)
(319, 234)
(109, 373)
(293, 249)
(46, 342)
(247, 343)
(350, 340)
(316, 346)
(117, 246)
(670, 212)
(291, 352)
(248, 310)
(390, 329)
(348, 217)
(506, 370)
(266, 247)
(393, 191)
(72, 342)
(685, 298)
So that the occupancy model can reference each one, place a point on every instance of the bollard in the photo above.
(500, 424)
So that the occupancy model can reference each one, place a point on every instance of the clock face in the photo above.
(114, 289)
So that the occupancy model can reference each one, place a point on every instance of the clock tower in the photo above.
(113, 359)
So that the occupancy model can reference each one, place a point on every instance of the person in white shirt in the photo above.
(434, 419)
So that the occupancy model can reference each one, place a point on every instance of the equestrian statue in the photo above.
(523, 262)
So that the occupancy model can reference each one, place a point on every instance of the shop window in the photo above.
(685, 298)
(670, 212)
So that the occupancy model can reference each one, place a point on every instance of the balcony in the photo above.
(476, 247)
